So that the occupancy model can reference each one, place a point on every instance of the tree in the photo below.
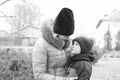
(108, 39)
(4, 2)
(117, 41)
(26, 15)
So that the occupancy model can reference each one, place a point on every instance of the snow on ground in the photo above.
(106, 69)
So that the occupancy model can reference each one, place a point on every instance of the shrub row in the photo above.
(15, 65)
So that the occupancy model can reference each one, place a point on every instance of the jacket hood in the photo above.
(83, 57)
(48, 36)
(89, 57)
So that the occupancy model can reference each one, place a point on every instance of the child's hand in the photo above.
(68, 51)
(73, 78)
(72, 72)
(70, 78)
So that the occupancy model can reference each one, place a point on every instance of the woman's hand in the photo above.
(73, 78)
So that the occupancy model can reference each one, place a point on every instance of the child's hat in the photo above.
(64, 22)
(86, 44)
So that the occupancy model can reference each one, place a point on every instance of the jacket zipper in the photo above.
(55, 67)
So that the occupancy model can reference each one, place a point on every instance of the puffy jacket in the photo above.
(48, 57)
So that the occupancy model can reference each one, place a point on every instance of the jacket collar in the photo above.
(48, 36)
(83, 57)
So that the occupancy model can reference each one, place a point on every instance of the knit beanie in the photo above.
(64, 22)
(86, 44)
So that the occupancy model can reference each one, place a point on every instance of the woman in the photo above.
(49, 55)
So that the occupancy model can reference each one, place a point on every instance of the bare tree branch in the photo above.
(26, 16)
(4, 2)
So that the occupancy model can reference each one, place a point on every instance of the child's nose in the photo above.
(72, 47)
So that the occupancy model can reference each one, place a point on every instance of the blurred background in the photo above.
(20, 22)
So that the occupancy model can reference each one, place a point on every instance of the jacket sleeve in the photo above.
(84, 70)
(39, 61)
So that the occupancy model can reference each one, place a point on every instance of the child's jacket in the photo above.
(82, 63)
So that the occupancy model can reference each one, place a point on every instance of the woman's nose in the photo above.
(67, 37)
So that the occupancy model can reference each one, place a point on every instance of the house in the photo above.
(4, 38)
(111, 20)
(114, 17)
(4, 34)
(29, 35)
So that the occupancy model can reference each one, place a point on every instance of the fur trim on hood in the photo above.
(48, 36)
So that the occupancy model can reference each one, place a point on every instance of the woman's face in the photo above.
(76, 48)
(63, 37)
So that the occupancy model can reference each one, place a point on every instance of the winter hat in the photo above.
(85, 44)
(64, 22)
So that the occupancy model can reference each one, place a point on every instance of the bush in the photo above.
(117, 48)
(15, 65)
(99, 52)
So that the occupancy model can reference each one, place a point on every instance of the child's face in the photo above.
(76, 48)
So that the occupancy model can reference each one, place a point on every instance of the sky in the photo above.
(87, 13)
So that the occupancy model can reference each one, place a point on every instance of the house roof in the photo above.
(4, 33)
(30, 32)
(113, 17)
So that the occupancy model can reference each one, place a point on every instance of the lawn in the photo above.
(107, 68)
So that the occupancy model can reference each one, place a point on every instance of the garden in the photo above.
(15, 64)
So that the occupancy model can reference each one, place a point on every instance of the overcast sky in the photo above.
(87, 12)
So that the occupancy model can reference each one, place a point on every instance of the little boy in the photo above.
(81, 58)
